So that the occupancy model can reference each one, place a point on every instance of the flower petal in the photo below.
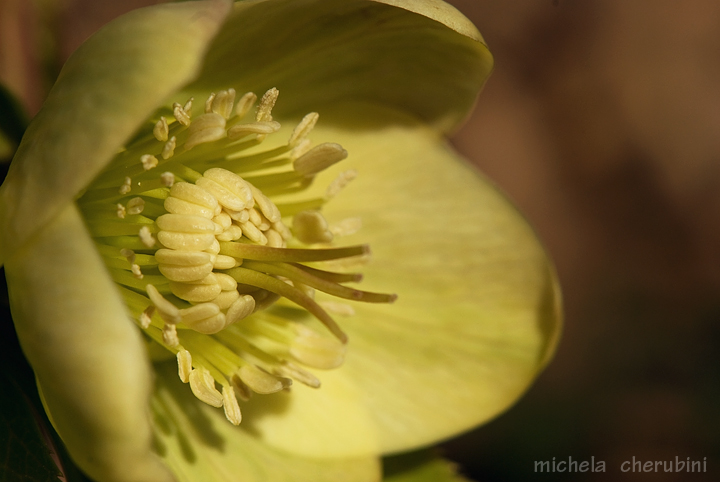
(321, 51)
(89, 359)
(109, 86)
(199, 444)
(478, 310)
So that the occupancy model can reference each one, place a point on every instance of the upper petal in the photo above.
(477, 314)
(88, 357)
(107, 88)
(423, 58)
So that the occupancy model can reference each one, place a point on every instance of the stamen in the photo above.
(146, 237)
(120, 211)
(319, 158)
(245, 103)
(339, 183)
(181, 115)
(202, 385)
(264, 112)
(135, 206)
(184, 359)
(222, 103)
(161, 130)
(167, 179)
(126, 186)
(230, 405)
(260, 381)
(169, 148)
(302, 130)
(310, 227)
(148, 161)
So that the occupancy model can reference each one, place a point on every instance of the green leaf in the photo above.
(421, 466)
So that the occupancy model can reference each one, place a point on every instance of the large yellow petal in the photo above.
(89, 359)
(109, 86)
(320, 51)
(199, 444)
(478, 311)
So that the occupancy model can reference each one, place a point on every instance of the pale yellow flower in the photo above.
(478, 312)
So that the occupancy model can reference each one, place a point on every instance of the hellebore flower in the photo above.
(108, 172)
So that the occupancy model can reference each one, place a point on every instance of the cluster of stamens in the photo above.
(202, 254)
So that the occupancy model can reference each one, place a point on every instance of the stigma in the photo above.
(213, 270)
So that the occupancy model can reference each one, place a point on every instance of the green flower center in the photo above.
(185, 220)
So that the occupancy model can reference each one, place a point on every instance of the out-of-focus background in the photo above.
(602, 122)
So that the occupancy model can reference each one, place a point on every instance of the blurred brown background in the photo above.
(602, 122)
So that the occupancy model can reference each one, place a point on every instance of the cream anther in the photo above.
(200, 291)
(185, 273)
(232, 182)
(310, 227)
(206, 128)
(202, 385)
(146, 237)
(209, 102)
(225, 299)
(241, 308)
(214, 247)
(233, 233)
(168, 311)
(267, 207)
(263, 128)
(186, 241)
(178, 206)
(224, 262)
(226, 282)
(319, 158)
(161, 130)
(136, 205)
(120, 211)
(264, 111)
(146, 317)
(170, 336)
(224, 196)
(184, 360)
(240, 216)
(253, 233)
(169, 148)
(245, 103)
(339, 183)
(136, 271)
(182, 258)
(180, 115)
(208, 326)
(183, 223)
(230, 405)
(194, 194)
(188, 105)
(223, 103)
(274, 239)
(296, 373)
(242, 391)
(167, 179)
(302, 130)
(126, 187)
(199, 312)
(259, 380)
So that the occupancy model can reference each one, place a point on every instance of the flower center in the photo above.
(185, 220)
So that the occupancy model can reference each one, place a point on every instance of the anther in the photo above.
(261, 128)
(310, 227)
(232, 182)
(202, 385)
(137, 273)
(161, 130)
(188, 105)
(184, 360)
(223, 103)
(199, 291)
(120, 211)
(126, 187)
(346, 227)
(319, 158)
(136, 205)
(230, 405)
(206, 128)
(209, 102)
(261, 381)
(245, 103)
(241, 308)
(302, 130)
(181, 115)
(264, 111)
(169, 148)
